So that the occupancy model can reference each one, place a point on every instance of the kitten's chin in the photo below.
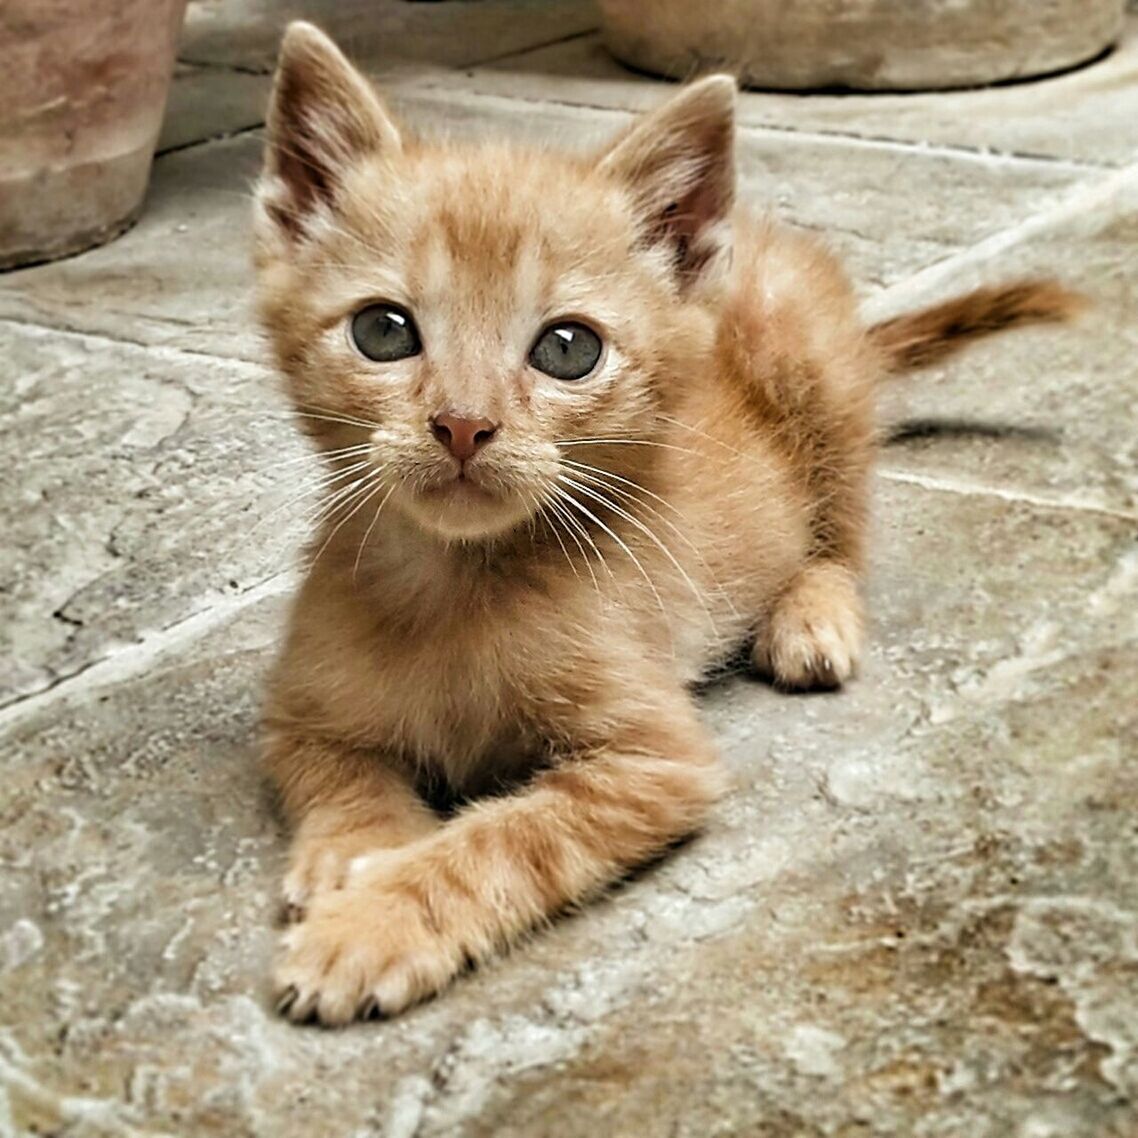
(461, 511)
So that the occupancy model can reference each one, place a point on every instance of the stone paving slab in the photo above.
(385, 33)
(206, 102)
(1087, 115)
(141, 475)
(182, 277)
(915, 917)
(916, 914)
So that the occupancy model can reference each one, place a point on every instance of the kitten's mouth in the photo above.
(462, 487)
(464, 504)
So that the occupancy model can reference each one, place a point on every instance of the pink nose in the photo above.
(463, 437)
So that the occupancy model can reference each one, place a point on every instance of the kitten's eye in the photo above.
(566, 351)
(385, 332)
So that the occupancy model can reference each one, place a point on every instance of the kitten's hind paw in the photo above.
(814, 635)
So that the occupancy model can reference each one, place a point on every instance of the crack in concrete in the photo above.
(220, 136)
(170, 351)
(133, 659)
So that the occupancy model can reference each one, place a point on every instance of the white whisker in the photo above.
(360, 499)
(626, 481)
(622, 442)
(576, 527)
(634, 521)
(367, 532)
(616, 537)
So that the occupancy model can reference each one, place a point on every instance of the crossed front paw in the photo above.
(364, 951)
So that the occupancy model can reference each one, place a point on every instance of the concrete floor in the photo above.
(918, 913)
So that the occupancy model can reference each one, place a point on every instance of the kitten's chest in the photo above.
(449, 697)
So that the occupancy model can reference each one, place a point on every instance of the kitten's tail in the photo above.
(922, 338)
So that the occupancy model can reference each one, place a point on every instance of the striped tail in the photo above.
(926, 337)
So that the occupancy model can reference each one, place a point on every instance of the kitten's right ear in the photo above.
(323, 117)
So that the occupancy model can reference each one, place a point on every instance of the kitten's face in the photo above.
(475, 312)
(455, 288)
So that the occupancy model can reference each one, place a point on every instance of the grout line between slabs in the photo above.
(1004, 494)
(983, 155)
(218, 65)
(1083, 200)
(269, 68)
(221, 136)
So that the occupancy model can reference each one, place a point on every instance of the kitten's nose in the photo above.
(463, 437)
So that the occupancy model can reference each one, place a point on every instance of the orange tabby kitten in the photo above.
(588, 428)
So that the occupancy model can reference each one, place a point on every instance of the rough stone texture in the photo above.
(915, 917)
(136, 517)
(1055, 423)
(905, 45)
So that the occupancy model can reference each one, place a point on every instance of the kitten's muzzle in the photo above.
(464, 437)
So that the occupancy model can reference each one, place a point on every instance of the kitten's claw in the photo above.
(286, 999)
(289, 912)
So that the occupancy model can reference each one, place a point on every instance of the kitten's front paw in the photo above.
(320, 864)
(322, 857)
(364, 951)
(814, 635)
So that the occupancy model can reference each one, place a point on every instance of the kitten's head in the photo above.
(468, 314)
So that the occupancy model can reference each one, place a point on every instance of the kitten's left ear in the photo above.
(679, 162)
(324, 116)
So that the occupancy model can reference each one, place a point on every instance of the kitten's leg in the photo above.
(813, 635)
(343, 803)
(408, 921)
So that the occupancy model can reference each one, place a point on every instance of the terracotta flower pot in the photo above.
(81, 103)
(860, 44)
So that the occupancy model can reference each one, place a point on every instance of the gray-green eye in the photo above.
(566, 351)
(385, 332)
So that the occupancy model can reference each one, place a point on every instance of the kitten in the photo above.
(588, 429)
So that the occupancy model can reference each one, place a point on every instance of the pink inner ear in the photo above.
(679, 163)
(308, 181)
(686, 221)
(324, 117)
